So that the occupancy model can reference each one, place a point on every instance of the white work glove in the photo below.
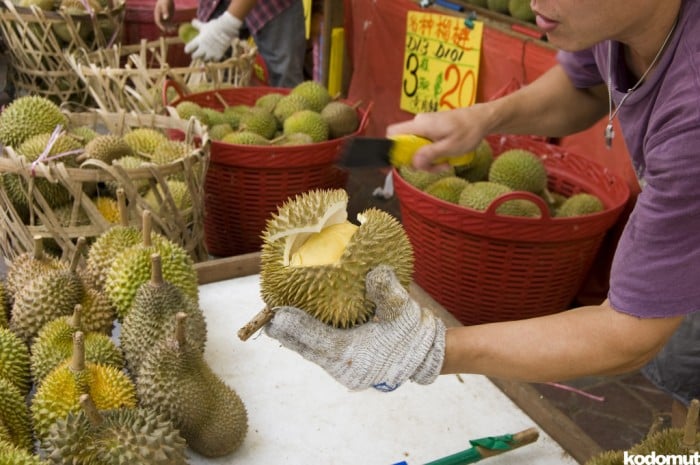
(214, 37)
(402, 341)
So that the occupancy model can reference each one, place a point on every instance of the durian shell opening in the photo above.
(324, 247)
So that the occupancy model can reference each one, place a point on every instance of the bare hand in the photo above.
(163, 12)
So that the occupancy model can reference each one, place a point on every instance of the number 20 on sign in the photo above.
(441, 62)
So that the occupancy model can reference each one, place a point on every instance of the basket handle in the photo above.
(365, 118)
(168, 83)
(519, 195)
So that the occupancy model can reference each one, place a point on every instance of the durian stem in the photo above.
(258, 321)
(75, 260)
(146, 227)
(180, 334)
(221, 99)
(90, 410)
(74, 320)
(38, 248)
(156, 270)
(77, 361)
(121, 205)
(691, 425)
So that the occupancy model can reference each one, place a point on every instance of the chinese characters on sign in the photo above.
(441, 62)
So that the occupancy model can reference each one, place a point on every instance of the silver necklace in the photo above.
(609, 131)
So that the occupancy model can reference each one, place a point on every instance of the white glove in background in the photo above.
(402, 342)
(214, 37)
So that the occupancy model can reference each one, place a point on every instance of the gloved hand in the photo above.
(403, 341)
(214, 37)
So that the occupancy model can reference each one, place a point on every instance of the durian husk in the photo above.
(14, 360)
(14, 415)
(334, 293)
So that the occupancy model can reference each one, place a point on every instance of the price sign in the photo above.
(441, 62)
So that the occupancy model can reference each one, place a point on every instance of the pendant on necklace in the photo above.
(609, 135)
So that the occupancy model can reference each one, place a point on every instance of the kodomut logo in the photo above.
(662, 459)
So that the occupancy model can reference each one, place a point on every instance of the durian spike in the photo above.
(156, 270)
(146, 227)
(691, 426)
(90, 410)
(121, 205)
(77, 361)
(258, 321)
(78, 254)
(74, 320)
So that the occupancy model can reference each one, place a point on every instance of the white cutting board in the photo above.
(299, 415)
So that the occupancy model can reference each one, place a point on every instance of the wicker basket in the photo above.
(246, 183)
(37, 53)
(484, 267)
(185, 227)
(132, 77)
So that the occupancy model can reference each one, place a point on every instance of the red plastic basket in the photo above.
(483, 267)
(246, 183)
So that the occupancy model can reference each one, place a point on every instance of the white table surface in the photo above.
(298, 414)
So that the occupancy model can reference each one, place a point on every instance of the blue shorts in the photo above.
(676, 368)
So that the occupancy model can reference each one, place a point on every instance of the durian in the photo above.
(308, 122)
(106, 148)
(218, 131)
(10, 454)
(288, 105)
(176, 380)
(169, 151)
(132, 267)
(29, 265)
(245, 138)
(54, 345)
(4, 304)
(421, 179)
(27, 116)
(47, 297)
(478, 169)
(144, 140)
(59, 393)
(188, 109)
(259, 121)
(329, 284)
(314, 92)
(519, 169)
(14, 360)
(122, 436)
(480, 195)
(448, 188)
(186, 32)
(152, 318)
(269, 100)
(580, 204)
(342, 118)
(14, 415)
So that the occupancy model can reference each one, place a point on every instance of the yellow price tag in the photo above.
(441, 62)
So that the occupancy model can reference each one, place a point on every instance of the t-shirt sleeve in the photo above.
(581, 68)
(656, 268)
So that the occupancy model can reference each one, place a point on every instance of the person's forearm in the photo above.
(582, 342)
(550, 106)
(241, 8)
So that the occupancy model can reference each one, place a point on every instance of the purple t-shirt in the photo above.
(656, 268)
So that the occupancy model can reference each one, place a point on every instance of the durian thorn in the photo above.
(258, 321)
(691, 425)
(146, 227)
(180, 333)
(38, 247)
(90, 409)
(77, 361)
(74, 320)
(156, 269)
(121, 205)
(78, 254)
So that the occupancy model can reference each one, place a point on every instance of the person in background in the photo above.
(635, 60)
(277, 26)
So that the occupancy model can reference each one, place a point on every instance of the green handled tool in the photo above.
(487, 447)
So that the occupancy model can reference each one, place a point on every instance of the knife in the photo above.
(398, 150)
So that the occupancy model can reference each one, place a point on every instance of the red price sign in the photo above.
(441, 62)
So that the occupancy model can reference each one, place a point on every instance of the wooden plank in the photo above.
(221, 269)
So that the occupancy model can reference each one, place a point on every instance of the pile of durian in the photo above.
(35, 128)
(308, 114)
(73, 390)
(479, 183)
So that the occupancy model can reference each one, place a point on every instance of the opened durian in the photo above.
(59, 393)
(315, 259)
(176, 380)
(152, 318)
(122, 436)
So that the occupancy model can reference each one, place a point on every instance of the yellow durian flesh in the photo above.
(333, 292)
(324, 247)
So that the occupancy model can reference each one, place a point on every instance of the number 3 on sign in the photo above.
(441, 62)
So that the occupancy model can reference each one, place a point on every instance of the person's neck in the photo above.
(648, 38)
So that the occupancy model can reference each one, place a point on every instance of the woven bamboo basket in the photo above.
(19, 227)
(132, 77)
(37, 41)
